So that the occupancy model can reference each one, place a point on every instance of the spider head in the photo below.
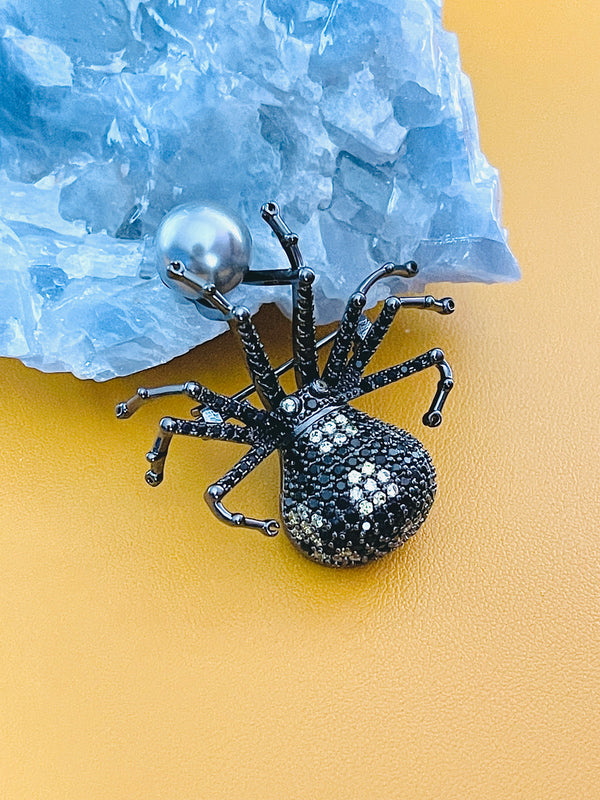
(303, 404)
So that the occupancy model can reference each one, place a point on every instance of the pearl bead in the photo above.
(213, 244)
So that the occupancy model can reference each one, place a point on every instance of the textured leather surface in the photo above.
(148, 652)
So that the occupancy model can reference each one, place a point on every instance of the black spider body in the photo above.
(353, 487)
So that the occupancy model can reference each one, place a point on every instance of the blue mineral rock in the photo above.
(353, 115)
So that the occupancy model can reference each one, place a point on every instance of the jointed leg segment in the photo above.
(303, 324)
(303, 330)
(129, 407)
(240, 322)
(344, 339)
(172, 426)
(347, 333)
(226, 407)
(433, 358)
(215, 493)
(287, 239)
(262, 373)
(365, 349)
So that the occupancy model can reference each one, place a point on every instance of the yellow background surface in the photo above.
(149, 652)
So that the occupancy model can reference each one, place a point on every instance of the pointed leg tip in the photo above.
(433, 419)
(153, 478)
(270, 527)
(122, 411)
(270, 209)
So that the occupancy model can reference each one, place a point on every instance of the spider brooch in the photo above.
(353, 487)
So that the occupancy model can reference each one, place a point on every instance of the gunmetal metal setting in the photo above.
(353, 487)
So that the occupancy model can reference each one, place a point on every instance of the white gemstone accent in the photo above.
(289, 405)
(329, 427)
(354, 476)
(365, 507)
(383, 476)
(340, 438)
(315, 436)
(356, 493)
(351, 430)
(379, 498)
(368, 468)
(392, 490)
(318, 521)
(370, 485)
(366, 526)
(208, 415)
(340, 419)
(326, 447)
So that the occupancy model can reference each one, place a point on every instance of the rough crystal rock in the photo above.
(353, 115)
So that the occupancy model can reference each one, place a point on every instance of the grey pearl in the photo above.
(212, 243)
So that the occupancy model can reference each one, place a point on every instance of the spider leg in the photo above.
(172, 426)
(407, 270)
(289, 243)
(240, 322)
(303, 322)
(429, 303)
(365, 349)
(225, 407)
(262, 373)
(344, 338)
(217, 491)
(304, 331)
(349, 327)
(248, 391)
(388, 270)
(433, 358)
(287, 239)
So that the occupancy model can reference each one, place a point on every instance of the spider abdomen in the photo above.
(354, 488)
